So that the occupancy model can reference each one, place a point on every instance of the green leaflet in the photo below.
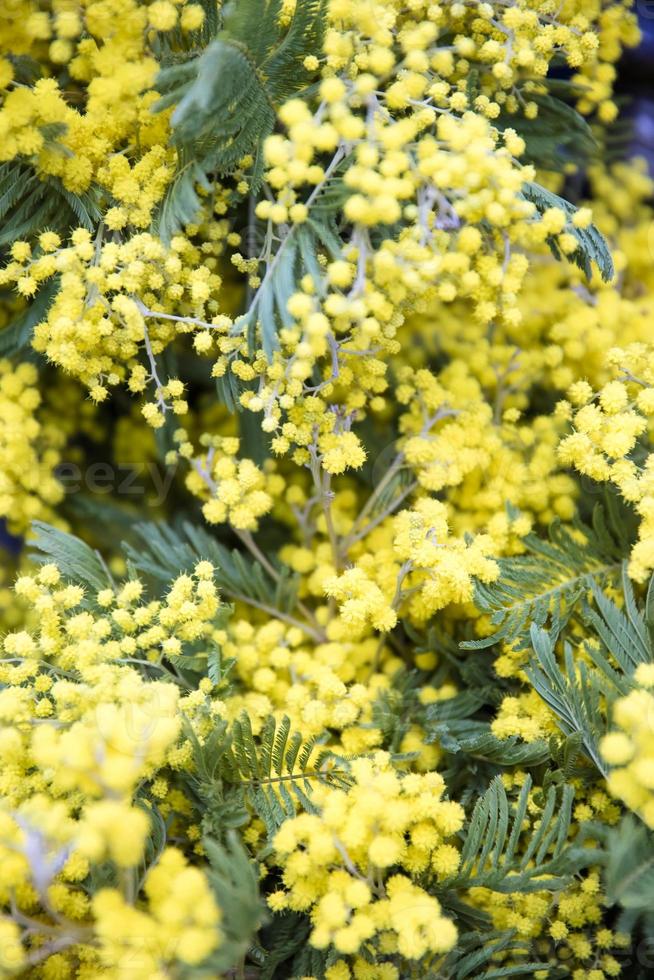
(558, 135)
(225, 97)
(547, 583)
(18, 335)
(181, 203)
(492, 857)
(575, 693)
(75, 560)
(592, 244)
(234, 881)
(477, 951)
(285, 937)
(268, 311)
(30, 204)
(581, 695)
(164, 552)
(627, 854)
(271, 774)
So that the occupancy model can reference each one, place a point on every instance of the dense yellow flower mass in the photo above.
(30, 449)
(628, 749)
(337, 862)
(326, 356)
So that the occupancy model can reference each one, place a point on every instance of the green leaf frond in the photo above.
(557, 135)
(271, 774)
(547, 583)
(163, 552)
(574, 692)
(581, 692)
(476, 956)
(593, 247)
(234, 881)
(30, 204)
(17, 335)
(74, 559)
(225, 97)
(499, 855)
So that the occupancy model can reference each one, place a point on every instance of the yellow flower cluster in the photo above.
(30, 449)
(105, 48)
(525, 715)
(423, 570)
(512, 43)
(397, 117)
(367, 353)
(607, 429)
(336, 863)
(180, 925)
(81, 730)
(628, 748)
(100, 322)
(237, 490)
(329, 685)
(567, 926)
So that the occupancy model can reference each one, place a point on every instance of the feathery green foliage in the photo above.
(492, 855)
(546, 584)
(75, 560)
(233, 879)
(225, 96)
(271, 774)
(556, 136)
(582, 690)
(163, 551)
(626, 853)
(30, 203)
(574, 693)
(15, 337)
(592, 244)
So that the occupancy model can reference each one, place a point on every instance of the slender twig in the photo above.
(338, 156)
(315, 634)
(376, 521)
(153, 371)
(145, 312)
(247, 539)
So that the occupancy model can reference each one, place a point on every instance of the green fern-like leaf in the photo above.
(18, 334)
(504, 753)
(581, 694)
(225, 96)
(475, 952)
(75, 560)
(592, 244)
(628, 858)
(181, 203)
(495, 853)
(271, 774)
(575, 693)
(295, 258)
(30, 204)
(278, 52)
(286, 935)
(556, 136)
(278, 769)
(623, 632)
(546, 584)
(164, 552)
(234, 881)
